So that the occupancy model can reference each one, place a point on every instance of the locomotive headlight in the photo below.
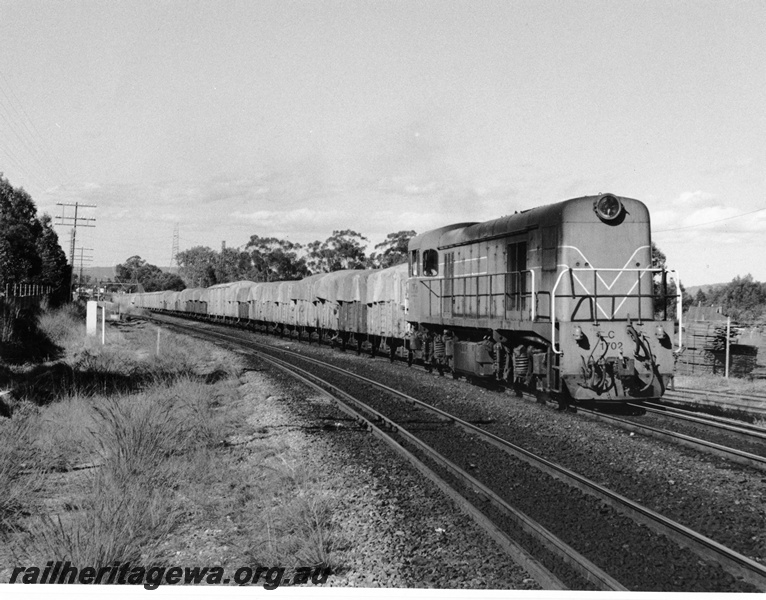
(608, 207)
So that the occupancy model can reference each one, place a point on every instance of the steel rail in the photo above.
(744, 429)
(743, 403)
(735, 422)
(722, 393)
(737, 456)
(740, 565)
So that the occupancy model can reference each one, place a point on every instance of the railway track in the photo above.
(631, 530)
(743, 444)
(750, 405)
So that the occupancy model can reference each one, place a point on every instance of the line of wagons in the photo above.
(365, 308)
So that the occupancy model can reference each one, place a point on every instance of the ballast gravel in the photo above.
(395, 528)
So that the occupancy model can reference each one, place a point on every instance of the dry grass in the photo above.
(155, 427)
(17, 456)
(121, 366)
(118, 519)
(65, 326)
(716, 383)
(148, 446)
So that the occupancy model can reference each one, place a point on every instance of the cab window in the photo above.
(430, 263)
(414, 263)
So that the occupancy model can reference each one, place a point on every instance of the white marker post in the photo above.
(91, 318)
(728, 332)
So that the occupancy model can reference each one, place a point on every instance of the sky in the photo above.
(297, 118)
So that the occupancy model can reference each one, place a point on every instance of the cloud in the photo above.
(693, 199)
(698, 210)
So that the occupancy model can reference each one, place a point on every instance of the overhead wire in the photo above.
(30, 144)
(43, 172)
(19, 165)
(712, 222)
(44, 145)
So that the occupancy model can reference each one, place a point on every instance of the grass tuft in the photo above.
(297, 528)
(123, 520)
(16, 463)
(64, 326)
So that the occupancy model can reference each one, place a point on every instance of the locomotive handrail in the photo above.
(679, 311)
(428, 281)
(571, 270)
(534, 295)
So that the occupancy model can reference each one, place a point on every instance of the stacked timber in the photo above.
(705, 351)
(742, 360)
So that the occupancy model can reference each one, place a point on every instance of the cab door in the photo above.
(516, 285)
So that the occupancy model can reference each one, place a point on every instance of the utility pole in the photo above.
(222, 259)
(74, 221)
(83, 258)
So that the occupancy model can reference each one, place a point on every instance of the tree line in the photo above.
(267, 259)
(30, 253)
(743, 299)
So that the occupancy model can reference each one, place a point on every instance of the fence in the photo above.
(26, 290)
(16, 300)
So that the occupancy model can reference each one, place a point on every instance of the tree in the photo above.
(743, 299)
(232, 264)
(55, 272)
(700, 298)
(393, 250)
(164, 281)
(342, 250)
(276, 260)
(131, 270)
(19, 229)
(151, 277)
(198, 266)
(660, 301)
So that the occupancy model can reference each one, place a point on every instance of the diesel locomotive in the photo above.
(571, 284)
(561, 299)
